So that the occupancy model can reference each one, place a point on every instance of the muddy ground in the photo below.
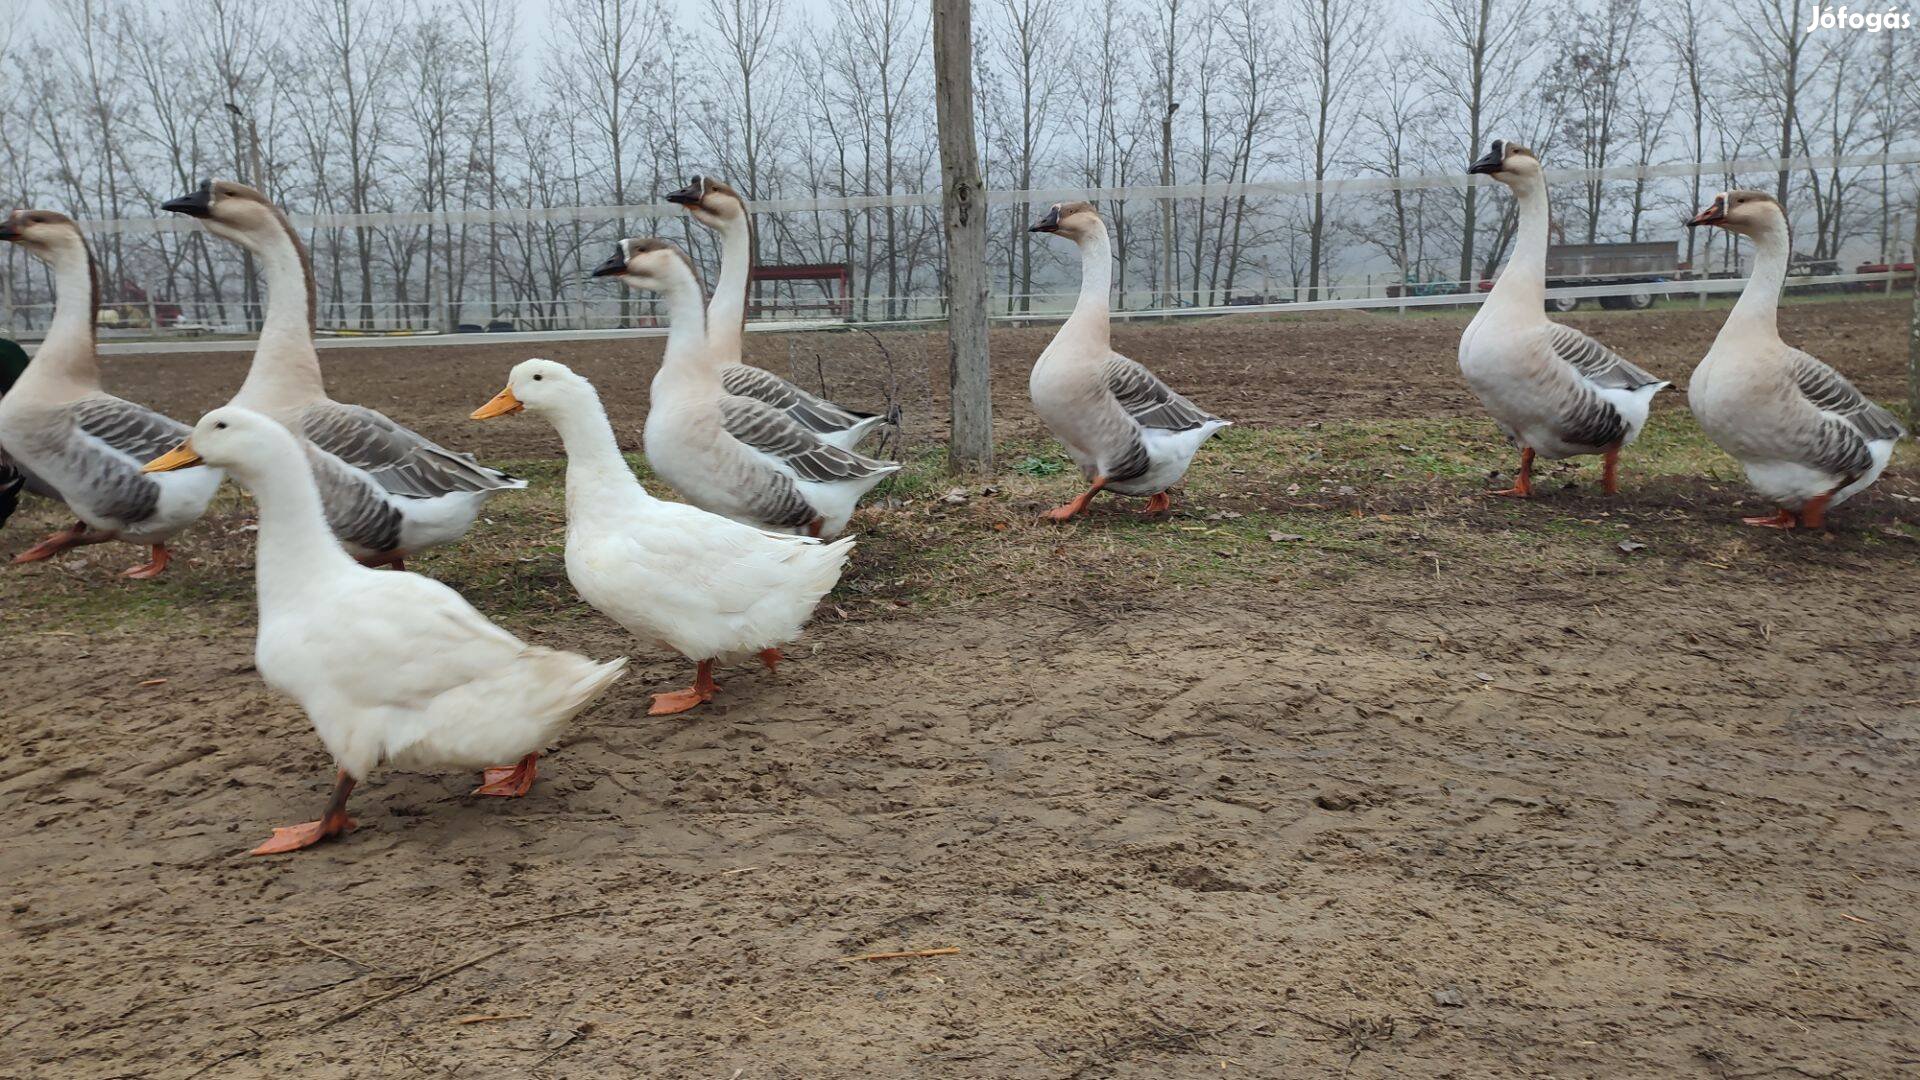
(1441, 786)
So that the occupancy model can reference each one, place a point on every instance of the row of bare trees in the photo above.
(371, 106)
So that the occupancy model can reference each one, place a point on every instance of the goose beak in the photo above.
(1486, 164)
(686, 196)
(7, 231)
(1050, 223)
(615, 266)
(1712, 215)
(503, 404)
(198, 204)
(180, 457)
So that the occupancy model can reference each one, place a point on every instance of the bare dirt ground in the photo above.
(1431, 785)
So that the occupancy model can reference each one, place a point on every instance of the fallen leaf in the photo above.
(1284, 538)
(1628, 547)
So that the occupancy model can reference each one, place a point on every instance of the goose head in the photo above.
(45, 234)
(648, 262)
(540, 386)
(1073, 220)
(1743, 212)
(229, 437)
(231, 211)
(1507, 162)
(712, 203)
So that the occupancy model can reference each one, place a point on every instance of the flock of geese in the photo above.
(396, 668)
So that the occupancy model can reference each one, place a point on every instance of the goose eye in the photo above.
(536, 378)
(220, 425)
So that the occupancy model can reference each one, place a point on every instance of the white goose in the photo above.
(1129, 432)
(735, 456)
(390, 667)
(1807, 438)
(709, 588)
(71, 441)
(1553, 390)
(722, 209)
(388, 491)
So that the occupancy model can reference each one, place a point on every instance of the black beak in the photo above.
(198, 204)
(7, 231)
(1050, 223)
(1488, 163)
(1712, 215)
(689, 195)
(615, 265)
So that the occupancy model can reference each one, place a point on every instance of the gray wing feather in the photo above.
(1149, 401)
(770, 431)
(134, 430)
(356, 511)
(809, 411)
(1830, 392)
(1595, 362)
(402, 461)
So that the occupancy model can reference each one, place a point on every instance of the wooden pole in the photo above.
(1913, 326)
(963, 209)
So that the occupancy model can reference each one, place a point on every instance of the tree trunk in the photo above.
(963, 209)
(1913, 327)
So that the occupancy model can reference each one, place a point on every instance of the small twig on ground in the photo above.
(425, 980)
(338, 955)
(488, 1018)
(910, 954)
(550, 918)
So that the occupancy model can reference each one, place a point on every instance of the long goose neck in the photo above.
(727, 311)
(594, 465)
(286, 369)
(66, 364)
(297, 549)
(1091, 320)
(1524, 282)
(1759, 303)
(686, 350)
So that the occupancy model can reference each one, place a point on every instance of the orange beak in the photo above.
(503, 404)
(180, 457)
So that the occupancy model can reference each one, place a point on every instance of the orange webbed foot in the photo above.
(678, 701)
(295, 837)
(154, 568)
(1158, 503)
(1514, 493)
(1779, 519)
(1063, 513)
(509, 781)
(771, 658)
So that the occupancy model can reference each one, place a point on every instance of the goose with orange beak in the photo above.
(711, 589)
(1808, 439)
(391, 667)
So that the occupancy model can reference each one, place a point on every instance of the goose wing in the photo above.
(809, 411)
(1150, 402)
(772, 432)
(134, 430)
(358, 511)
(402, 461)
(1830, 392)
(1595, 362)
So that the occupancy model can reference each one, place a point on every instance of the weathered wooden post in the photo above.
(963, 208)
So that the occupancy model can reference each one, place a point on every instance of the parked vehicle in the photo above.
(1572, 265)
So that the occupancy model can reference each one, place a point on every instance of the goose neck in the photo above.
(66, 364)
(1759, 303)
(686, 350)
(727, 312)
(1524, 281)
(594, 464)
(286, 369)
(297, 550)
(1092, 311)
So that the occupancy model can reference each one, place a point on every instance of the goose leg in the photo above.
(814, 527)
(509, 781)
(1158, 503)
(154, 568)
(1523, 485)
(1610, 476)
(74, 537)
(1779, 519)
(771, 658)
(1067, 511)
(1814, 514)
(396, 560)
(680, 701)
(332, 823)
